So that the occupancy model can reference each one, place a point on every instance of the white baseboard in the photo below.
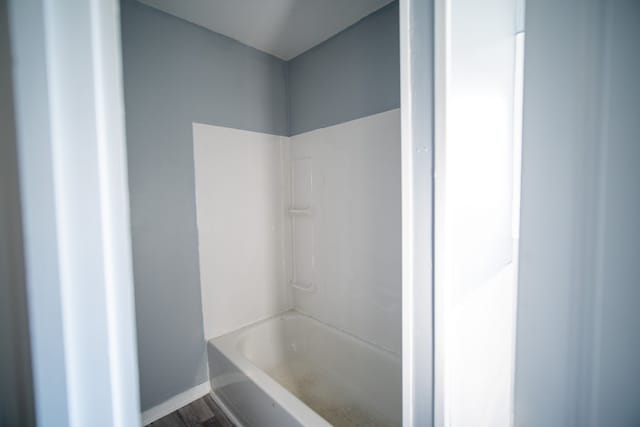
(174, 403)
(225, 409)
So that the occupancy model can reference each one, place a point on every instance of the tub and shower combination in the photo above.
(309, 224)
(293, 370)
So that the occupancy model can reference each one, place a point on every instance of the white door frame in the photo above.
(74, 194)
(417, 124)
(71, 142)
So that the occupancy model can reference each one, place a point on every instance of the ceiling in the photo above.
(283, 28)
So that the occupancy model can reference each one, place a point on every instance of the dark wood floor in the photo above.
(202, 413)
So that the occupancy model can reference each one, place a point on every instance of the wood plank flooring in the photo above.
(201, 413)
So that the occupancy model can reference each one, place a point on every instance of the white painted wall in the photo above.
(419, 44)
(355, 204)
(475, 241)
(241, 217)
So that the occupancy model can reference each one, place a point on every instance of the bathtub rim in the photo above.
(229, 346)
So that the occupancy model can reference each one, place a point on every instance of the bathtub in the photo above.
(292, 370)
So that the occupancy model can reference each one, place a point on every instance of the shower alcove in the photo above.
(277, 142)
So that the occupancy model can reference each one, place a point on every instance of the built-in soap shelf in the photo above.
(303, 225)
(299, 211)
(307, 287)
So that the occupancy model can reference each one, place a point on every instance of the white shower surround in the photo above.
(357, 246)
(243, 196)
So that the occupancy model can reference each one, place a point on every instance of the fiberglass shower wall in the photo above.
(311, 221)
(223, 141)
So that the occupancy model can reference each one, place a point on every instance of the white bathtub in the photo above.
(292, 370)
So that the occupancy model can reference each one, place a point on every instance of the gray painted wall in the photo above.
(16, 393)
(40, 237)
(578, 334)
(354, 74)
(176, 73)
(617, 369)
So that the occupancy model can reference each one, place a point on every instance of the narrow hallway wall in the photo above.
(578, 341)
(17, 406)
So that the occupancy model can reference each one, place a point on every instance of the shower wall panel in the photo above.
(241, 217)
(310, 222)
(354, 205)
